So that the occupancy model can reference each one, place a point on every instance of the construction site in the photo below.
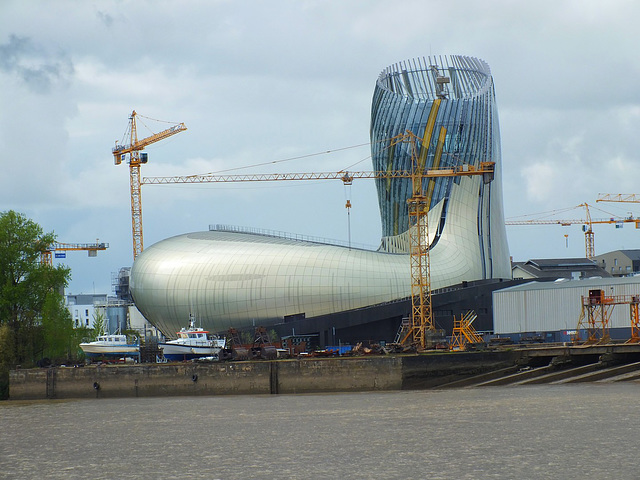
(458, 316)
(440, 284)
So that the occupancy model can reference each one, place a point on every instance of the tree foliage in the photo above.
(31, 292)
(57, 328)
(99, 325)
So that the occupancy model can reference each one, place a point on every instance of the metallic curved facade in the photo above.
(230, 279)
(233, 279)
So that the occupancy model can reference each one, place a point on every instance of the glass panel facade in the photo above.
(402, 101)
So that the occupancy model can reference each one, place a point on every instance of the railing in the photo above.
(288, 236)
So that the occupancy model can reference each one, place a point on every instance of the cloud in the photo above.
(105, 18)
(38, 69)
(262, 81)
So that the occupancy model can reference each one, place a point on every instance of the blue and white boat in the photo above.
(111, 346)
(192, 342)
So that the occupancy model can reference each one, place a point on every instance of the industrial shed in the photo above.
(550, 311)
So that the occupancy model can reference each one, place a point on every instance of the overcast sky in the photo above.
(263, 81)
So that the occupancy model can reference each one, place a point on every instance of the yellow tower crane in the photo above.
(422, 325)
(587, 223)
(133, 149)
(90, 248)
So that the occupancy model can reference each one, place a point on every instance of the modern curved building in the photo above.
(239, 279)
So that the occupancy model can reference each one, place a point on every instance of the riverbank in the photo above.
(312, 375)
(544, 363)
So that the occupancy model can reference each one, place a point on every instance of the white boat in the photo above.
(192, 342)
(111, 346)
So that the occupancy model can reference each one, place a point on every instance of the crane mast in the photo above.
(589, 240)
(136, 159)
(421, 322)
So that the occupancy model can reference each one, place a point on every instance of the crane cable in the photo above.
(272, 162)
(326, 152)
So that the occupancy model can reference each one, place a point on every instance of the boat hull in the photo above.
(115, 351)
(174, 352)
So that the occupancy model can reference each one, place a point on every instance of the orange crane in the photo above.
(133, 149)
(589, 237)
(90, 248)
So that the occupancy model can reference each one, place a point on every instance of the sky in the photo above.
(286, 86)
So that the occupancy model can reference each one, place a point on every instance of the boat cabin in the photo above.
(112, 338)
(196, 335)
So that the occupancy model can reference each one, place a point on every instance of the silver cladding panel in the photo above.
(233, 280)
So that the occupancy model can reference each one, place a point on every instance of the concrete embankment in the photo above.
(518, 366)
(313, 375)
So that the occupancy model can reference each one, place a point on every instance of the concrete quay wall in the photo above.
(320, 375)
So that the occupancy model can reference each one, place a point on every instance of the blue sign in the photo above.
(61, 255)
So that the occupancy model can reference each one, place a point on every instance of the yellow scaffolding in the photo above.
(463, 332)
(596, 313)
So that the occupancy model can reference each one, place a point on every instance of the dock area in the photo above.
(515, 366)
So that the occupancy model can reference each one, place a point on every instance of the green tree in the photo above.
(57, 328)
(99, 324)
(26, 283)
(6, 344)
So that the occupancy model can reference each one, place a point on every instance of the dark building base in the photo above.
(380, 323)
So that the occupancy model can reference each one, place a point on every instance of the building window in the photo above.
(86, 312)
(87, 322)
(615, 261)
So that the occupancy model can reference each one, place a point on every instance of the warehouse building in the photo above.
(550, 311)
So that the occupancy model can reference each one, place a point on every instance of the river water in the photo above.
(587, 431)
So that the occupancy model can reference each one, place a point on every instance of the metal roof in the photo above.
(567, 283)
(561, 262)
(561, 267)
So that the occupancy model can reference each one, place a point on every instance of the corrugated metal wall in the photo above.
(551, 307)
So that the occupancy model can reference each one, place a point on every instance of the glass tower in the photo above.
(457, 92)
